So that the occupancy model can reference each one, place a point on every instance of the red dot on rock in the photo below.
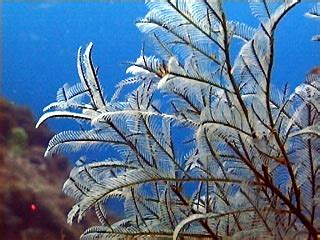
(33, 207)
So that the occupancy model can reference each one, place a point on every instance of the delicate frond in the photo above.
(242, 31)
(89, 78)
(314, 12)
(63, 114)
(204, 147)
(75, 140)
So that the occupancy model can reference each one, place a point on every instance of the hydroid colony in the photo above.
(253, 150)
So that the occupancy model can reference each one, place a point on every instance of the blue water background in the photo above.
(40, 42)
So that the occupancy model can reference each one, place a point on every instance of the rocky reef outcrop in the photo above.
(32, 205)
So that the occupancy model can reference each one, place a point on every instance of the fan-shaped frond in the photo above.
(63, 114)
(207, 148)
(314, 12)
(74, 140)
(263, 9)
(88, 77)
(242, 31)
(100, 191)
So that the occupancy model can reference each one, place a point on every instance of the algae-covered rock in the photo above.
(32, 205)
(18, 140)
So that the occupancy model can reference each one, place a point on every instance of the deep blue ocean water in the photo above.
(40, 42)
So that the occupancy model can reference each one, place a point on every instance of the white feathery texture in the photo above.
(202, 146)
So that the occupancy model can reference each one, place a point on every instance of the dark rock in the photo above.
(32, 204)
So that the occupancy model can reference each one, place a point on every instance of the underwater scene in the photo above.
(163, 119)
